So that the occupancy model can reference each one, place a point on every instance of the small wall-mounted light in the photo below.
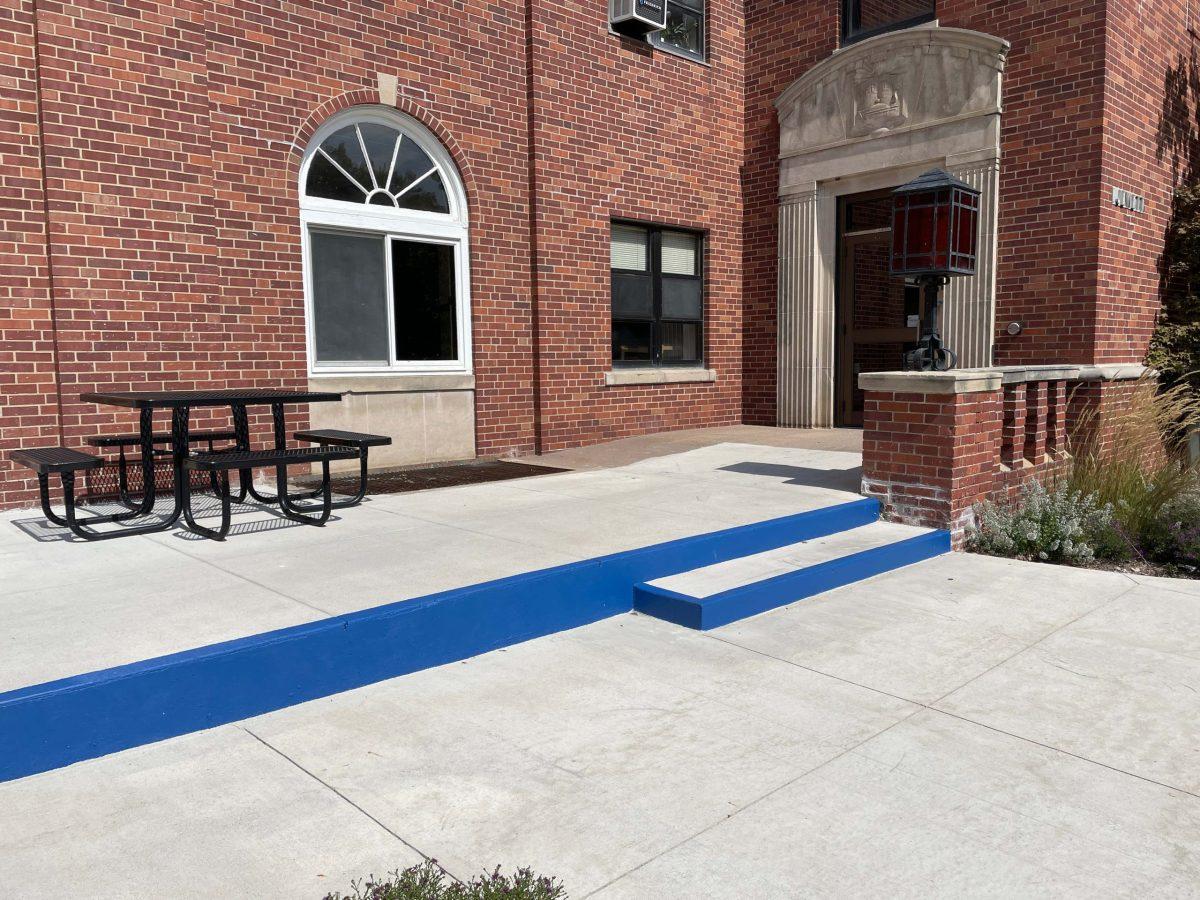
(1015, 328)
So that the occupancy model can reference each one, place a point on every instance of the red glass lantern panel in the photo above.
(935, 226)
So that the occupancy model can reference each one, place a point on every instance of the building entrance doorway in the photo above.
(878, 316)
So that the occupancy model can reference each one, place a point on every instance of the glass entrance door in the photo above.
(878, 316)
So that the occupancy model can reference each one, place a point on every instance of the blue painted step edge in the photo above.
(704, 613)
(49, 725)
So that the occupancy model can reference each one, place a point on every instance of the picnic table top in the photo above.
(224, 397)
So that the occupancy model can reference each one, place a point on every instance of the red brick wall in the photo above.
(1093, 298)
(1145, 41)
(172, 177)
(784, 38)
(621, 131)
(173, 137)
(28, 396)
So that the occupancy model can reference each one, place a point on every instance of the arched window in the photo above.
(385, 248)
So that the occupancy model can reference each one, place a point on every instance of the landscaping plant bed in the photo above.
(1130, 504)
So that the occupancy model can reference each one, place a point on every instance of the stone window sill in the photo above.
(621, 377)
(393, 383)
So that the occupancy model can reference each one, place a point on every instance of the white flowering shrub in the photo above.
(1055, 524)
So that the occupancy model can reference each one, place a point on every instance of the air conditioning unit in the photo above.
(637, 17)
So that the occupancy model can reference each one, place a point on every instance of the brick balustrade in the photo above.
(936, 443)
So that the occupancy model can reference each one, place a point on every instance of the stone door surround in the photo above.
(874, 115)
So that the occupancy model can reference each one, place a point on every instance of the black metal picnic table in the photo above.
(180, 403)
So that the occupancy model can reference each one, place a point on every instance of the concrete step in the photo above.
(725, 592)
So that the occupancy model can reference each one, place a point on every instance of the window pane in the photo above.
(424, 294)
(878, 13)
(324, 180)
(631, 341)
(429, 195)
(349, 297)
(343, 148)
(684, 30)
(681, 298)
(411, 163)
(681, 341)
(629, 248)
(632, 296)
(679, 253)
(380, 141)
(864, 215)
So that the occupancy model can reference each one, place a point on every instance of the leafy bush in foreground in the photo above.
(428, 882)
(1053, 525)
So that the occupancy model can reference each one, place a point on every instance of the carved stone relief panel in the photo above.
(895, 82)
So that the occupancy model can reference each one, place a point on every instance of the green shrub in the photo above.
(1054, 525)
(1174, 537)
(1175, 346)
(428, 882)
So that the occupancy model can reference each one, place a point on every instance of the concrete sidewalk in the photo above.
(71, 607)
(963, 727)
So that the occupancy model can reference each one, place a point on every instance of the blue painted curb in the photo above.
(704, 613)
(54, 724)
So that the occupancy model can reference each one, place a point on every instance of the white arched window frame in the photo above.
(319, 215)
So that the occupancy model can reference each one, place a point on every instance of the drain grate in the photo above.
(399, 481)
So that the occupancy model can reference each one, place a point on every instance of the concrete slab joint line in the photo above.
(54, 724)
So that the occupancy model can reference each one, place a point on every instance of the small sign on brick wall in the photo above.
(1128, 200)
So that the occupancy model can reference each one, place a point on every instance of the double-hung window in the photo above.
(657, 296)
(866, 18)
(685, 31)
(385, 237)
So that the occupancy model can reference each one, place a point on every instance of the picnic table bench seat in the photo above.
(121, 441)
(335, 437)
(162, 437)
(342, 438)
(64, 462)
(222, 462)
(253, 459)
(55, 460)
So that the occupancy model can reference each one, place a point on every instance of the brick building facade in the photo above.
(153, 158)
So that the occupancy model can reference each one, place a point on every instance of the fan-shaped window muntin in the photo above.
(376, 164)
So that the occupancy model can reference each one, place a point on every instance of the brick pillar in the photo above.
(1035, 422)
(1056, 419)
(931, 444)
(1012, 448)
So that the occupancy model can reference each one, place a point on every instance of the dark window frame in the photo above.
(697, 8)
(654, 233)
(851, 34)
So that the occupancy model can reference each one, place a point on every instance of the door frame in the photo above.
(843, 332)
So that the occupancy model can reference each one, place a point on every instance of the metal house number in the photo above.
(1128, 200)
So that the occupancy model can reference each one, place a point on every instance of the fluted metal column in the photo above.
(806, 315)
(969, 310)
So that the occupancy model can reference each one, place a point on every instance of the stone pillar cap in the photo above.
(957, 381)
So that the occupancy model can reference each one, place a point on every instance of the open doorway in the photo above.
(878, 316)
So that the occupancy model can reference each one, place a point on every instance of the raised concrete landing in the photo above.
(725, 592)
(735, 573)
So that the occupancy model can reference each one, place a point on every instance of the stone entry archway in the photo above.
(875, 115)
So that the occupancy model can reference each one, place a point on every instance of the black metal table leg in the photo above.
(146, 505)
